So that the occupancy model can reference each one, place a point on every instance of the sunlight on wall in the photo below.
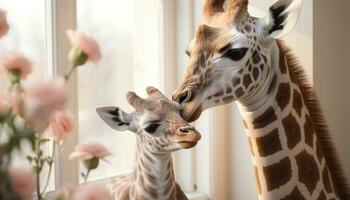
(131, 48)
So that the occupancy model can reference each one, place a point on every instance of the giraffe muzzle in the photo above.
(187, 137)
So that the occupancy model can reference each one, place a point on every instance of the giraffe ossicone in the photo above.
(159, 130)
(236, 57)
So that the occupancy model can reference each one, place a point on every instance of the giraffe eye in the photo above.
(151, 128)
(236, 54)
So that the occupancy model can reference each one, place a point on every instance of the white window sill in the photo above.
(197, 196)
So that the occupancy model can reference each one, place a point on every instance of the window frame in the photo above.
(62, 15)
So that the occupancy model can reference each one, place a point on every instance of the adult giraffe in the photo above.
(237, 57)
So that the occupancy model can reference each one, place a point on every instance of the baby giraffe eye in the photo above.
(152, 127)
(236, 54)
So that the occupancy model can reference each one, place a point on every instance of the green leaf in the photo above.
(60, 198)
(44, 140)
(49, 160)
(40, 153)
(38, 169)
(29, 158)
(15, 76)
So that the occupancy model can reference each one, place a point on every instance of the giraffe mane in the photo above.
(298, 74)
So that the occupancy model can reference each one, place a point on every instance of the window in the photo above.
(31, 42)
(22, 37)
(129, 35)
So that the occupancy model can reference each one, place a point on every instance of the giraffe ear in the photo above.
(115, 118)
(282, 17)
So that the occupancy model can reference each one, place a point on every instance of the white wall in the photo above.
(332, 70)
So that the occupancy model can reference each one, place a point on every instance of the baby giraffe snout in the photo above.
(187, 137)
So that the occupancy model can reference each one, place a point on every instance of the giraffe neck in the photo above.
(287, 158)
(154, 173)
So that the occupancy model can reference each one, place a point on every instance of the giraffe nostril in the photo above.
(185, 129)
(184, 97)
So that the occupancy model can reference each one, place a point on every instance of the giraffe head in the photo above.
(230, 56)
(156, 121)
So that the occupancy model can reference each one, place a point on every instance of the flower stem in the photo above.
(86, 176)
(50, 168)
(69, 74)
(37, 168)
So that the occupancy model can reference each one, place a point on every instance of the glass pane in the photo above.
(22, 16)
(130, 36)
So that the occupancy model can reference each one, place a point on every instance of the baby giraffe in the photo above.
(159, 130)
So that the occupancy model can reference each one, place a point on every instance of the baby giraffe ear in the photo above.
(115, 118)
(282, 18)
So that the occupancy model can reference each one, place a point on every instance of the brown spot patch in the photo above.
(283, 95)
(326, 180)
(319, 151)
(257, 179)
(236, 81)
(278, 174)
(322, 196)
(262, 66)
(294, 195)
(292, 130)
(228, 90)
(269, 144)
(228, 99)
(307, 170)
(255, 73)
(309, 131)
(265, 119)
(219, 94)
(239, 92)
(247, 80)
(297, 102)
(256, 57)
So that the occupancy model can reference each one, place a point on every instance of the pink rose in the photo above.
(5, 106)
(86, 44)
(22, 181)
(40, 101)
(9, 101)
(4, 26)
(15, 62)
(89, 151)
(93, 192)
(61, 125)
